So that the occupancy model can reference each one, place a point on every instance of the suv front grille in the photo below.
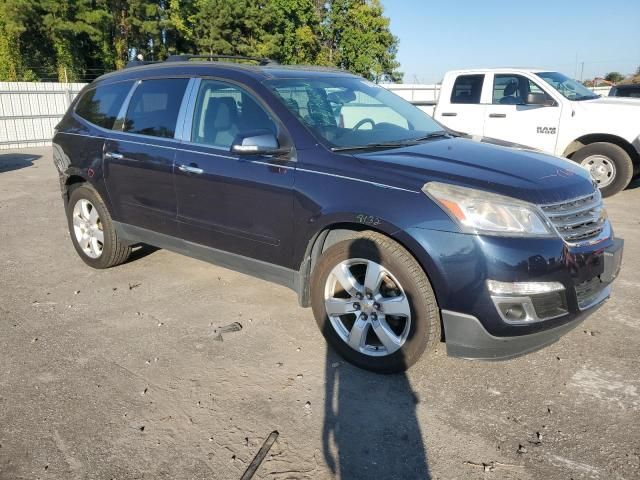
(579, 219)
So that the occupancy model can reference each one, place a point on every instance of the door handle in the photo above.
(497, 115)
(189, 169)
(114, 155)
(449, 114)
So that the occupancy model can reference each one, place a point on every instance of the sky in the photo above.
(436, 36)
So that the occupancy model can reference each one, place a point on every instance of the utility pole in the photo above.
(582, 72)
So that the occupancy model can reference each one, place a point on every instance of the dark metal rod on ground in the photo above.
(257, 460)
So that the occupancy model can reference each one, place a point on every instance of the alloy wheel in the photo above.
(87, 228)
(367, 307)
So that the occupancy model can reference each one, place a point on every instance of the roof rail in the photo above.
(139, 63)
(184, 58)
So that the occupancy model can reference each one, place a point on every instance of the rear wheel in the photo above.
(610, 166)
(374, 304)
(92, 231)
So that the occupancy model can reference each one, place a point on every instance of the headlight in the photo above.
(477, 211)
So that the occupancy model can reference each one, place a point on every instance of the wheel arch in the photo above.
(580, 142)
(330, 235)
(334, 233)
(71, 182)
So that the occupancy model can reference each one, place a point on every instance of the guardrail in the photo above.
(30, 111)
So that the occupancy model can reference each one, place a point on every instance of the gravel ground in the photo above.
(124, 374)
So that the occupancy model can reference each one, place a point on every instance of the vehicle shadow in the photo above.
(16, 161)
(141, 250)
(371, 428)
(635, 183)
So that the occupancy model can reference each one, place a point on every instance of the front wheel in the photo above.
(610, 166)
(374, 303)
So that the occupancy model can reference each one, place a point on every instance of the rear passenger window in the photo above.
(467, 89)
(101, 105)
(154, 107)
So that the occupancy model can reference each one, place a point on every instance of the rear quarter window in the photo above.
(101, 105)
(154, 107)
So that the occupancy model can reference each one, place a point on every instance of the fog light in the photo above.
(527, 302)
(513, 312)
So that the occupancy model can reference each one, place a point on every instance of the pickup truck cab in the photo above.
(550, 112)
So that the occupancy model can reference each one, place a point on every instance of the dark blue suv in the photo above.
(398, 233)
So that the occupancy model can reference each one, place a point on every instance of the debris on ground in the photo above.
(232, 327)
(491, 466)
(260, 456)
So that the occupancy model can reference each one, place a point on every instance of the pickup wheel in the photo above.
(374, 303)
(92, 232)
(610, 166)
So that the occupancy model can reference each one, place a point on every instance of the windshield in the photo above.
(347, 112)
(568, 87)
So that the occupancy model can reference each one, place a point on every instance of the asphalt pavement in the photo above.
(140, 372)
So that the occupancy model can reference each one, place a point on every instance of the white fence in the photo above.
(415, 93)
(30, 111)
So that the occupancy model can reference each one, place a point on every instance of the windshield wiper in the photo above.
(429, 136)
(402, 143)
(368, 146)
(585, 97)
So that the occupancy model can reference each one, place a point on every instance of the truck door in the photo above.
(509, 118)
(462, 110)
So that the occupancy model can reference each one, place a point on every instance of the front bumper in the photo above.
(467, 338)
(473, 327)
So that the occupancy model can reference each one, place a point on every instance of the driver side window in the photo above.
(224, 112)
(512, 89)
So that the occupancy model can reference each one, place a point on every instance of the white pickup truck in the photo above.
(547, 111)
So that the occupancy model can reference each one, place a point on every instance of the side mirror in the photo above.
(539, 99)
(256, 143)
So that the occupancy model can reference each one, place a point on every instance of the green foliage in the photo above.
(358, 39)
(614, 77)
(77, 40)
(291, 31)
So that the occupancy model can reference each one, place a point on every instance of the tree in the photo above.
(614, 77)
(77, 40)
(358, 39)
(15, 17)
(290, 31)
(226, 27)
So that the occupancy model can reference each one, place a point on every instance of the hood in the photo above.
(478, 163)
(626, 101)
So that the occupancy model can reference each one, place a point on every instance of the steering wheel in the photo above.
(362, 122)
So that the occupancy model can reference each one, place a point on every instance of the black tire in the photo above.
(618, 157)
(114, 251)
(424, 330)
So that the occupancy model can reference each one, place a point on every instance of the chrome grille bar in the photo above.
(578, 219)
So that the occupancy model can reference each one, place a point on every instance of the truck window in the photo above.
(467, 89)
(512, 89)
(154, 107)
